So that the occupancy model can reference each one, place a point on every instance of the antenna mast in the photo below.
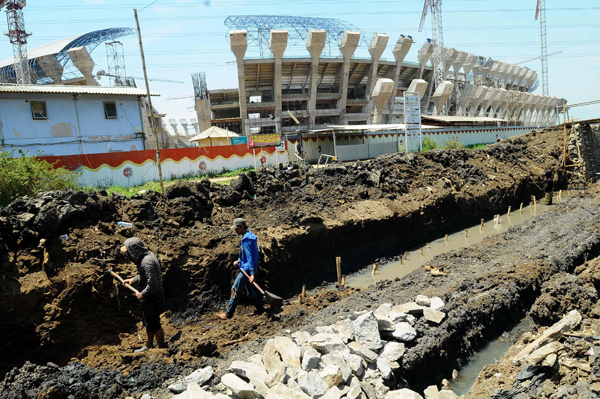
(116, 63)
(541, 12)
(18, 38)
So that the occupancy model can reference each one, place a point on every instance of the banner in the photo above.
(264, 140)
(239, 140)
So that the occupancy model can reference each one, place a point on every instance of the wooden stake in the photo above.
(343, 281)
(374, 269)
(427, 244)
(521, 208)
(300, 300)
(508, 210)
(401, 262)
(534, 202)
(466, 233)
(303, 291)
(446, 238)
(405, 255)
(421, 251)
(338, 264)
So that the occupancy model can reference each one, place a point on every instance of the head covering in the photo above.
(136, 248)
(239, 222)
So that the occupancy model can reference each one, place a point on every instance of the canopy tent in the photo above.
(214, 136)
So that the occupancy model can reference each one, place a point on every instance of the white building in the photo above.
(71, 120)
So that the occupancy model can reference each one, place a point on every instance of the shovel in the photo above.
(267, 297)
(115, 275)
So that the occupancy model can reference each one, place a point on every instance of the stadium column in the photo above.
(376, 48)
(314, 45)
(277, 45)
(239, 45)
(349, 44)
(381, 93)
(400, 50)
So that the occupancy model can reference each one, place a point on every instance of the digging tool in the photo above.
(267, 297)
(115, 275)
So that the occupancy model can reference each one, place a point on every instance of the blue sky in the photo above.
(186, 36)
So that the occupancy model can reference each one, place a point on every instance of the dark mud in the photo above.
(58, 303)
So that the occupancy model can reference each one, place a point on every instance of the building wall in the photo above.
(61, 133)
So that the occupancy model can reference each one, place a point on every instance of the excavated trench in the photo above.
(58, 303)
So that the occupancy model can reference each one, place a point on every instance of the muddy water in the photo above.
(491, 353)
(422, 255)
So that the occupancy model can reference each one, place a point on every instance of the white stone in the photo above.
(289, 351)
(313, 385)
(339, 362)
(279, 377)
(397, 317)
(366, 331)
(333, 393)
(362, 351)
(177, 387)
(445, 394)
(404, 332)
(256, 359)
(301, 337)
(199, 376)
(371, 373)
(423, 300)
(346, 329)
(394, 365)
(383, 311)
(270, 357)
(437, 304)
(310, 359)
(431, 391)
(332, 375)
(194, 392)
(383, 365)
(355, 363)
(327, 343)
(380, 388)
(280, 391)
(251, 371)
(325, 329)
(434, 316)
(240, 387)
(393, 351)
(411, 319)
(355, 393)
(409, 308)
(403, 393)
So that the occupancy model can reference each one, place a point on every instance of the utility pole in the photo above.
(137, 21)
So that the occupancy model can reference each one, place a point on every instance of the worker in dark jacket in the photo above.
(149, 280)
(247, 261)
(548, 187)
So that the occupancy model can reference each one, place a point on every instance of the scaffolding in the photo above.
(258, 29)
(116, 63)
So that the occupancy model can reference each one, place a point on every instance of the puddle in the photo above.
(491, 353)
(416, 259)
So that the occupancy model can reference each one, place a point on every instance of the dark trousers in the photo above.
(242, 282)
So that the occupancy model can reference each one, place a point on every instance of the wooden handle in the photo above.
(115, 275)
(254, 283)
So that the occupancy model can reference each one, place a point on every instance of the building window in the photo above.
(110, 110)
(38, 110)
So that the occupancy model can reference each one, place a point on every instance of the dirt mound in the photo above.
(59, 304)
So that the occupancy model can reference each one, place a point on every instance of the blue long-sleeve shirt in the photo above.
(249, 253)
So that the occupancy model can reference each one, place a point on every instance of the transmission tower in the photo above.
(541, 12)
(116, 63)
(18, 38)
(437, 59)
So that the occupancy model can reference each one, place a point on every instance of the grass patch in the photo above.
(155, 185)
(475, 146)
(453, 144)
(429, 144)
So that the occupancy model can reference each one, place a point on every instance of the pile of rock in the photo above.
(355, 358)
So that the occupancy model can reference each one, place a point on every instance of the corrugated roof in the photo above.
(463, 119)
(66, 89)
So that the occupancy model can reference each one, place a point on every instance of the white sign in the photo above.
(412, 117)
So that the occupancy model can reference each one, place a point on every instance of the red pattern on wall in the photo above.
(116, 159)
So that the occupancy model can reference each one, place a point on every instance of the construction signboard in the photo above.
(264, 140)
(412, 118)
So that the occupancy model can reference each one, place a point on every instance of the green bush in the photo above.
(429, 144)
(453, 144)
(25, 175)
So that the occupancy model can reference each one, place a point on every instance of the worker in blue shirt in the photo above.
(247, 261)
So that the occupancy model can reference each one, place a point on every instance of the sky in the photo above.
(181, 37)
